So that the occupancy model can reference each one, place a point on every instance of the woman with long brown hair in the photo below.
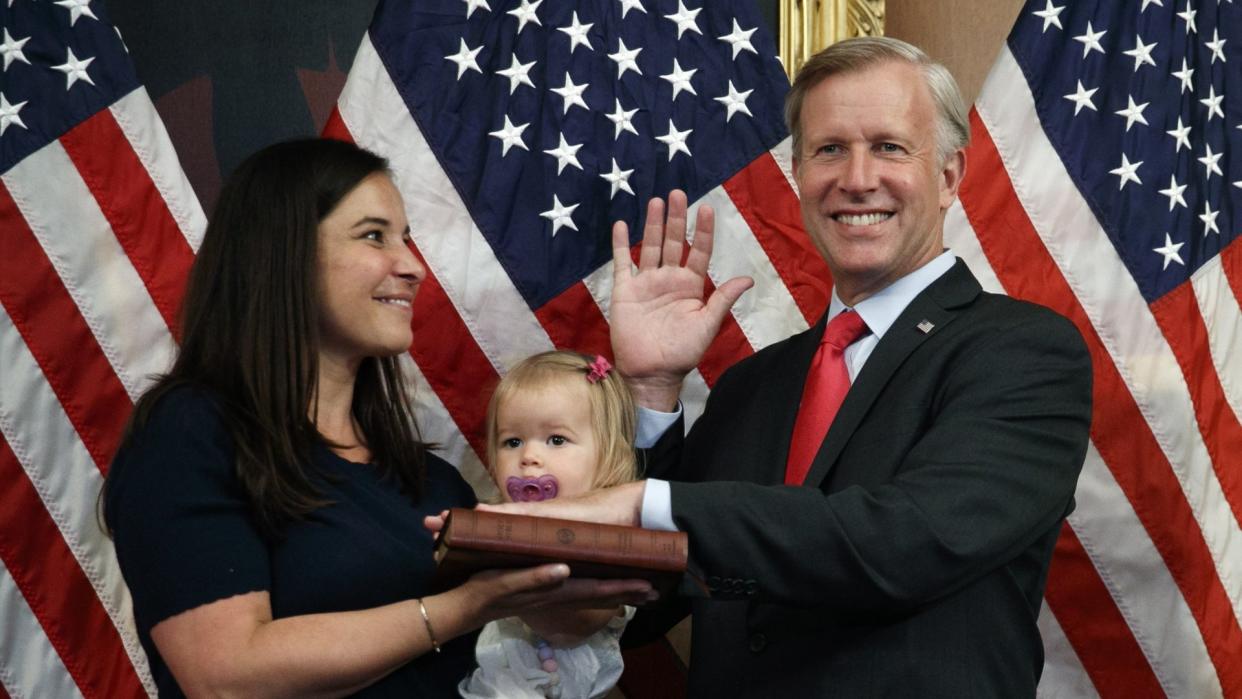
(267, 501)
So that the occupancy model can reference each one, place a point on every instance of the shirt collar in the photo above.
(880, 310)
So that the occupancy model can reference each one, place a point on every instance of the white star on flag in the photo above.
(465, 58)
(627, 5)
(675, 140)
(680, 79)
(565, 154)
(8, 113)
(577, 34)
(1212, 102)
(735, 102)
(11, 49)
(1142, 53)
(525, 14)
(1174, 193)
(1182, 134)
(1209, 219)
(560, 215)
(75, 69)
(77, 8)
(1210, 162)
(621, 118)
(1189, 15)
(1170, 251)
(1127, 171)
(510, 136)
(1091, 40)
(517, 73)
(739, 40)
(685, 19)
(472, 5)
(1217, 46)
(1185, 74)
(618, 178)
(572, 93)
(626, 59)
(1133, 112)
(1082, 98)
(1051, 15)
(1151, 2)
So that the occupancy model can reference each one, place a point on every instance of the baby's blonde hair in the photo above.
(612, 411)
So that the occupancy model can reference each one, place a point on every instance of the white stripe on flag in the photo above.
(959, 237)
(1106, 291)
(103, 283)
(437, 426)
(66, 478)
(767, 313)
(1223, 317)
(1064, 676)
(502, 324)
(138, 120)
(1146, 594)
(29, 665)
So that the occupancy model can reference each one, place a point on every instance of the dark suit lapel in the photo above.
(938, 304)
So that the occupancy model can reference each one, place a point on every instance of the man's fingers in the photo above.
(675, 229)
(725, 296)
(621, 260)
(704, 235)
(653, 235)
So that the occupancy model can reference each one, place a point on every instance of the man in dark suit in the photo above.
(911, 557)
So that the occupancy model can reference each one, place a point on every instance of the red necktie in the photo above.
(826, 385)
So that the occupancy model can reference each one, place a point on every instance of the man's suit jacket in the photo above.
(912, 561)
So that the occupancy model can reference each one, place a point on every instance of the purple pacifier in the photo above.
(531, 489)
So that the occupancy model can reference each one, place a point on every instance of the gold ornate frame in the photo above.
(807, 26)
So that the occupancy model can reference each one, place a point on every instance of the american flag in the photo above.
(519, 130)
(97, 230)
(1105, 181)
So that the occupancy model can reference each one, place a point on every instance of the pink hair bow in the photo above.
(599, 369)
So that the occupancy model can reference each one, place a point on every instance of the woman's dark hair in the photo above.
(250, 331)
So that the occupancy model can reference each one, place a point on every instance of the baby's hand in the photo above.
(434, 523)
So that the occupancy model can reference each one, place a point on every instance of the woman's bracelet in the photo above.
(427, 622)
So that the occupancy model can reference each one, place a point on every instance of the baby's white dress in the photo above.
(509, 666)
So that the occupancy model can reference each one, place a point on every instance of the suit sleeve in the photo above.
(992, 474)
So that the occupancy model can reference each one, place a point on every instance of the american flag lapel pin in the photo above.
(926, 326)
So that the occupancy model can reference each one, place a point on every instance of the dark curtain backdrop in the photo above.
(231, 76)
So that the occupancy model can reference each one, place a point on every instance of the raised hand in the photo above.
(661, 326)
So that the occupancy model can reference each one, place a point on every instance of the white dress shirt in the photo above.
(878, 311)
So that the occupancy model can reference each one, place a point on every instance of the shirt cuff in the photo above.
(658, 506)
(652, 424)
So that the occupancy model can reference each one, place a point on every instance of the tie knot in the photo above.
(843, 330)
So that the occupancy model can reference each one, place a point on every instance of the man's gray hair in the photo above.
(952, 126)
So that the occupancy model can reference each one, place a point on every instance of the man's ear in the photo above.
(951, 177)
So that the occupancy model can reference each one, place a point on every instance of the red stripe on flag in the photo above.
(135, 210)
(57, 590)
(573, 321)
(1118, 430)
(444, 349)
(449, 357)
(1231, 264)
(763, 196)
(1182, 323)
(728, 348)
(335, 127)
(1095, 628)
(58, 337)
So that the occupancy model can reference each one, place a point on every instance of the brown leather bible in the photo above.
(472, 541)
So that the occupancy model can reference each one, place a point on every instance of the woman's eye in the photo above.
(377, 236)
(557, 440)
